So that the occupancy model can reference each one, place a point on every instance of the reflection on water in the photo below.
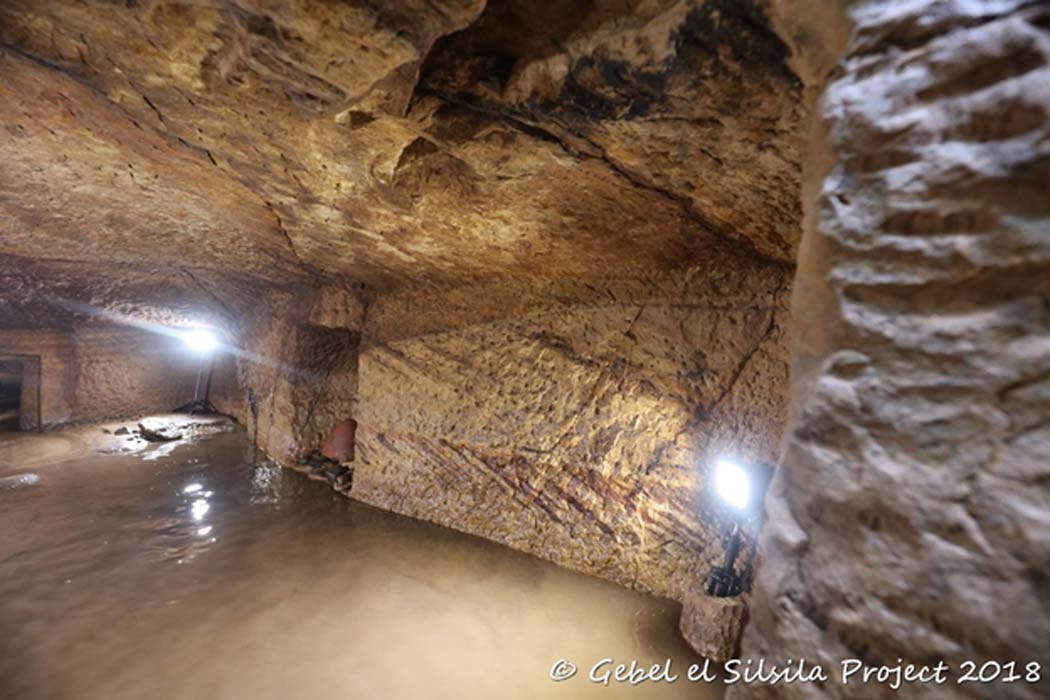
(266, 484)
(185, 571)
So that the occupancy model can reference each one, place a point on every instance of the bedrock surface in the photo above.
(909, 517)
(579, 429)
(236, 146)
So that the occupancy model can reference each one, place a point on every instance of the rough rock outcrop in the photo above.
(243, 146)
(577, 423)
(909, 517)
(713, 626)
(297, 374)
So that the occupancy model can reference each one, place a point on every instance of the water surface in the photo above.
(187, 570)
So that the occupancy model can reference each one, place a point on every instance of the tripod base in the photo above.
(198, 407)
(724, 583)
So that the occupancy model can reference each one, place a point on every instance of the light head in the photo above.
(733, 484)
(200, 340)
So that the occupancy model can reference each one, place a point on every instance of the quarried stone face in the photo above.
(540, 253)
(908, 519)
(248, 145)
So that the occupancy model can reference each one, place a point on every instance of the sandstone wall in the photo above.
(102, 371)
(57, 368)
(125, 371)
(297, 370)
(909, 517)
(575, 421)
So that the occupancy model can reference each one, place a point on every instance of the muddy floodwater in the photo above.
(187, 570)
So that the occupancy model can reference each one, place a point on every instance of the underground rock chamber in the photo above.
(643, 349)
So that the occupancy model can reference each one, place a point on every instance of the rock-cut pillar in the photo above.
(910, 518)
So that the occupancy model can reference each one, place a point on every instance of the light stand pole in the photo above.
(197, 386)
(723, 581)
(203, 343)
(743, 490)
(201, 406)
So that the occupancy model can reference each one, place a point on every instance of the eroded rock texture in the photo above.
(578, 429)
(909, 518)
(713, 626)
(395, 146)
(297, 377)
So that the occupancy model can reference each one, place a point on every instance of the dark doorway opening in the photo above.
(19, 392)
(11, 380)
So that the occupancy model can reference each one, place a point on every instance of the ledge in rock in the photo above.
(712, 626)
